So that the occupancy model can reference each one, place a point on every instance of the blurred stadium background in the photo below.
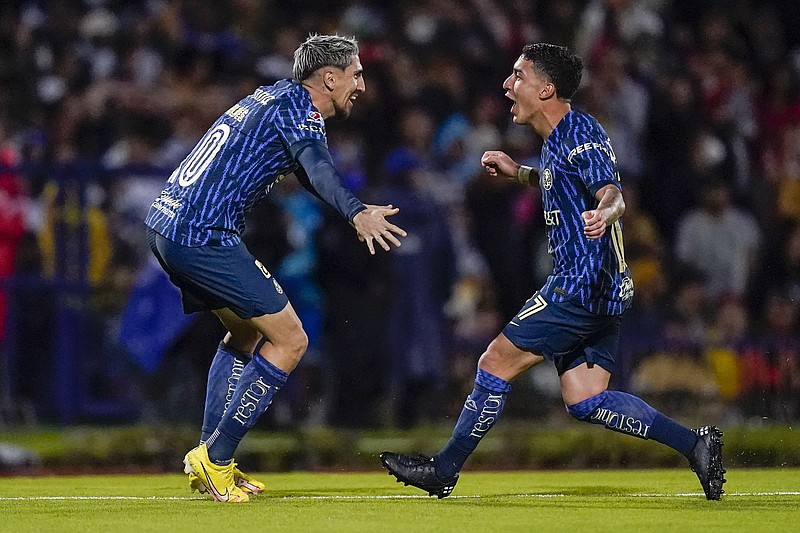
(100, 99)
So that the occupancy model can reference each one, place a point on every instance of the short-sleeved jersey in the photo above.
(577, 161)
(235, 165)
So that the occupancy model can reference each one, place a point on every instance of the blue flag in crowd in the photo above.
(153, 318)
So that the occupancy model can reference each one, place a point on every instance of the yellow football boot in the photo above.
(248, 484)
(217, 480)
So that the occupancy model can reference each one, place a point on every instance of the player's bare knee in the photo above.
(490, 360)
(295, 345)
(302, 343)
(506, 363)
(497, 365)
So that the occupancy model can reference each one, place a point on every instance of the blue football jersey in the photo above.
(235, 165)
(577, 161)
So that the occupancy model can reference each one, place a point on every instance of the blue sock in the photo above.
(625, 413)
(226, 368)
(259, 382)
(481, 410)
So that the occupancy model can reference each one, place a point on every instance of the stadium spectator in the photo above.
(727, 336)
(356, 290)
(674, 120)
(422, 274)
(719, 240)
(606, 23)
(622, 104)
(13, 214)
(770, 378)
(640, 333)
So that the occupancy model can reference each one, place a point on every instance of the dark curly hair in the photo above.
(558, 65)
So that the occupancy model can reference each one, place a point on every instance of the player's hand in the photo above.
(595, 223)
(498, 163)
(372, 226)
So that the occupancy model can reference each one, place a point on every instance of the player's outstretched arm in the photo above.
(608, 211)
(372, 226)
(318, 175)
(498, 163)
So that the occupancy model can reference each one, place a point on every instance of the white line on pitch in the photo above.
(539, 495)
(400, 496)
(419, 497)
(32, 498)
(684, 494)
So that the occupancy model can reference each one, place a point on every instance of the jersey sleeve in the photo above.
(318, 175)
(596, 163)
(298, 121)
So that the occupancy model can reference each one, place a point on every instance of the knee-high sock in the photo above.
(480, 412)
(226, 368)
(626, 413)
(257, 385)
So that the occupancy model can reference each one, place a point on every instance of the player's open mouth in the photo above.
(353, 97)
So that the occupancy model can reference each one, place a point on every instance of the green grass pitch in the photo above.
(618, 501)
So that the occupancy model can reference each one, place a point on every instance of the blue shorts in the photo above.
(215, 277)
(565, 333)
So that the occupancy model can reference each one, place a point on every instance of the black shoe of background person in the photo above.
(419, 471)
(706, 461)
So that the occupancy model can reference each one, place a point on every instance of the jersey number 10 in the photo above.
(203, 154)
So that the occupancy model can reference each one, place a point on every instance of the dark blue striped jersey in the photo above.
(577, 161)
(241, 157)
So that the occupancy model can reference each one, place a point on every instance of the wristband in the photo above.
(524, 174)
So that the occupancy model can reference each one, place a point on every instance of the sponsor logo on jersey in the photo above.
(590, 146)
(277, 286)
(237, 112)
(626, 288)
(166, 204)
(315, 116)
(312, 128)
(551, 218)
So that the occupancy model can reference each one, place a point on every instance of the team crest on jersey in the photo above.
(315, 116)
(547, 179)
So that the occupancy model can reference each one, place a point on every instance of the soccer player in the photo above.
(195, 229)
(574, 319)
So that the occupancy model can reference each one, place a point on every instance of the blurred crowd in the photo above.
(101, 99)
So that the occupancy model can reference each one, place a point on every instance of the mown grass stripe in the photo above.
(408, 496)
